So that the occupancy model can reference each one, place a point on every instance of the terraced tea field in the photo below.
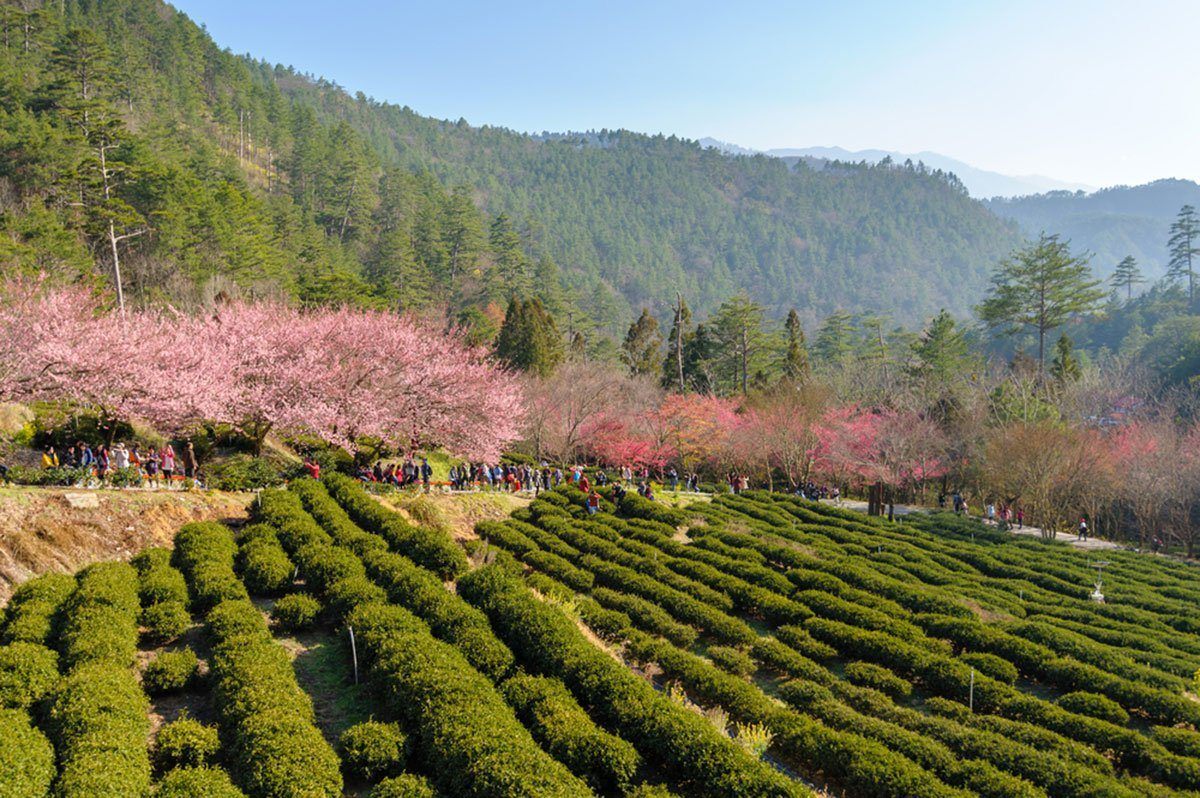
(757, 645)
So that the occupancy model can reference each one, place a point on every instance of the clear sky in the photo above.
(1093, 91)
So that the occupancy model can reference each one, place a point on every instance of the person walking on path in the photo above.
(168, 463)
(1083, 530)
(426, 473)
(189, 461)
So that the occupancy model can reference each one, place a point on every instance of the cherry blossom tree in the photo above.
(337, 374)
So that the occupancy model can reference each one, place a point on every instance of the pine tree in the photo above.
(835, 340)
(642, 347)
(1065, 366)
(941, 352)
(1184, 249)
(737, 328)
(512, 267)
(529, 339)
(672, 369)
(795, 354)
(1127, 275)
(1039, 288)
(699, 359)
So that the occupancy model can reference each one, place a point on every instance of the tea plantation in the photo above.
(757, 645)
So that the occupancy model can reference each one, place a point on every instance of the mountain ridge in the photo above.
(981, 183)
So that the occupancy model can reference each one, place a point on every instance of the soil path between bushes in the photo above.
(1091, 544)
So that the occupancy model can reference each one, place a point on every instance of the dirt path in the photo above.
(1091, 544)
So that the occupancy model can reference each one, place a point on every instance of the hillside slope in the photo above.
(1111, 223)
(231, 172)
(653, 214)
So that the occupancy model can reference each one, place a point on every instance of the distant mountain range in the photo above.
(980, 183)
(1110, 223)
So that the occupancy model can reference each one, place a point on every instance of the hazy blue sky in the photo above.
(1099, 92)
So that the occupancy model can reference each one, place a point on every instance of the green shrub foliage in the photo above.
(403, 786)
(98, 723)
(185, 743)
(547, 708)
(371, 750)
(28, 672)
(26, 757)
(295, 612)
(197, 782)
(170, 672)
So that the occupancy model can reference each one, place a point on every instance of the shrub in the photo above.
(243, 473)
(229, 619)
(170, 672)
(98, 722)
(197, 782)
(557, 721)
(264, 566)
(432, 549)
(473, 744)
(31, 610)
(674, 738)
(731, 660)
(185, 743)
(1094, 706)
(28, 672)
(879, 678)
(403, 786)
(449, 617)
(372, 749)
(166, 621)
(295, 612)
(322, 564)
(265, 716)
(26, 757)
(346, 594)
(998, 668)
(1183, 742)
(161, 583)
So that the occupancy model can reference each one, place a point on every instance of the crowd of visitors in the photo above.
(155, 466)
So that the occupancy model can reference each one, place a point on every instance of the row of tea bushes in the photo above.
(684, 745)
(267, 720)
(467, 736)
(98, 714)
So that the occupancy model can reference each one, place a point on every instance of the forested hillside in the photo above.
(208, 170)
(1111, 223)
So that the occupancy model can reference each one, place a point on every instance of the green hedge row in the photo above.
(29, 616)
(468, 737)
(204, 553)
(163, 593)
(505, 535)
(99, 619)
(26, 757)
(947, 677)
(262, 563)
(683, 744)
(28, 672)
(449, 617)
(647, 616)
(98, 723)
(266, 718)
(429, 548)
(547, 709)
(202, 782)
(599, 540)
(185, 742)
(860, 766)
(682, 606)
